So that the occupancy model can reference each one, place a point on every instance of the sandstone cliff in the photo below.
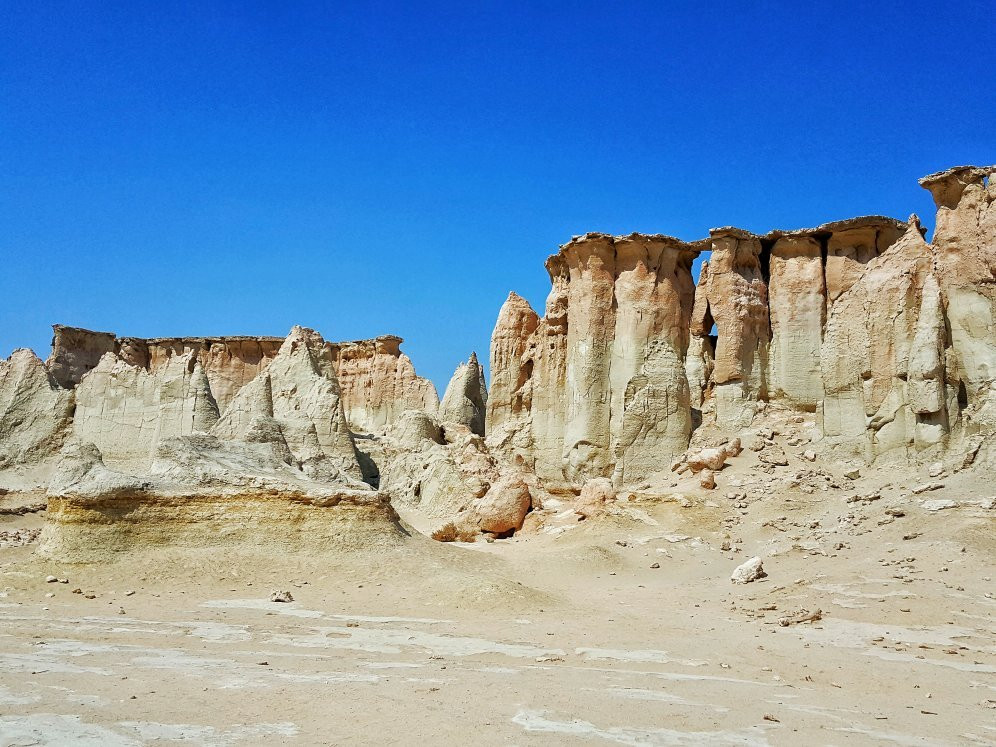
(888, 340)
(379, 382)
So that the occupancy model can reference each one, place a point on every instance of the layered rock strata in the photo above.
(204, 493)
(377, 381)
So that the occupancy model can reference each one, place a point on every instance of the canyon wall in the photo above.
(377, 381)
(887, 340)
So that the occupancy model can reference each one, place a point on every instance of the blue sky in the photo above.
(371, 168)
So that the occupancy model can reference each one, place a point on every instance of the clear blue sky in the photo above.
(239, 167)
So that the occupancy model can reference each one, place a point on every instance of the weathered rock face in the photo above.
(35, 412)
(890, 341)
(735, 299)
(148, 446)
(597, 385)
(301, 393)
(126, 410)
(377, 380)
(798, 301)
(438, 468)
(206, 493)
(378, 383)
(228, 362)
(965, 241)
(76, 351)
(510, 397)
(466, 397)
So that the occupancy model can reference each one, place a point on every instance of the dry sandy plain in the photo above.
(623, 629)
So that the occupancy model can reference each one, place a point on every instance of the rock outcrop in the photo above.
(466, 397)
(876, 343)
(204, 493)
(888, 340)
(35, 412)
(76, 351)
(378, 383)
(126, 410)
(440, 469)
(299, 391)
(597, 385)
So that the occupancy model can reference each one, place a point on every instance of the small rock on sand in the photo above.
(281, 596)
(939, 504)
(749, 571)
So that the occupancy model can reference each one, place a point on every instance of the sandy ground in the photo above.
(570, 637)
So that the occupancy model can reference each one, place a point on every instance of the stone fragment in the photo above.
(596, 494)
(749, 571)
(939, 504)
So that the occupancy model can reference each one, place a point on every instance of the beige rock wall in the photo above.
(76, 351)
(597, 385)
(867, 349)
(126, 410)
(300, 391)
(378, 383)
(734, 297)
(35, 412)
(797, 310)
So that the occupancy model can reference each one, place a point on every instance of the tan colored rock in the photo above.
(35, 412)
(125, 410)
(965, 240)
(302, 396)
(228, 362)
(600, 389)
(797, 298)
(76, 351)
(378, 382)
(503, 508)
(735, 298)
(439, 469)
(867, 348)
(713, 458)
(548, 353)
(851, 246)
(510, 394)
(207, 494)
(466, 397)
(595, 496)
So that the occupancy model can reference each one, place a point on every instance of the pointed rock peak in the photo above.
(466, 396)
(305, 344)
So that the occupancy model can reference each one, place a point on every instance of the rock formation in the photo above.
(888, 340)
(378, 383)
(35, 412)
(466, 397)
(599, 384)
(881, 344)
(205, 493)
